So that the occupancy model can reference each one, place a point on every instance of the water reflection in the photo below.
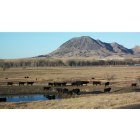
(30, 98)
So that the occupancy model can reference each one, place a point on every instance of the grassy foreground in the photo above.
(122, 93)
(85, 102)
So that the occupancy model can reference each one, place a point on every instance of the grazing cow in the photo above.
(107, 89)
(10, 83)
(65, 90)
(107, 84)
(85, 82)
(59, 84)
(47, 88)
(63, 83)
(3, 99)
(96, 83)
(70, 92)
(56, 84)
(51, 84)
(76, 91)
(21, 83)
(134, 84)
(30, 83)
(59, 90)
(50, 97)
(62, 90)
(77, 83)
(26, 77)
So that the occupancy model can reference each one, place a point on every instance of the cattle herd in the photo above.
(61, 87)
(20, 83)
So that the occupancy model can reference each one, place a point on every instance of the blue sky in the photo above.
(24, 44)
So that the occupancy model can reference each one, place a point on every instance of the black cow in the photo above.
(76, 91)
(30, 83)
(51, 84)
(60, 83)
(10, 83)
(65, 90)
(51, 97)
(3, 99)
(70, 92)
(26, 77)
(57, 84)
(107, 89)
(63, 83)
(85, 82)
(47, 88)
(107, 84)
(77, 83)
(21, 83)
(62, 90)
(134, 84)
(59, 90)
(96, 83)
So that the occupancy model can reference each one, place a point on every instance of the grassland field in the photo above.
(121, 91)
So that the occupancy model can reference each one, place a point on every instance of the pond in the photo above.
(28, 98)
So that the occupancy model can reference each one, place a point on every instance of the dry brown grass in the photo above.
(124, 76)
(84, 102)
(68, 74)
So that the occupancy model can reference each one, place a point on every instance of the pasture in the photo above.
(120, 79)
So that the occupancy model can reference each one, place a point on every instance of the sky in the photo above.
(29, 44)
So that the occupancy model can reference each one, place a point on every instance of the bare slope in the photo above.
(86, 46)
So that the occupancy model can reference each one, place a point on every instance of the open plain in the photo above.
(120, 78)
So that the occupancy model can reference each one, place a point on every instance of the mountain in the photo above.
(136, 50)
(87, 47)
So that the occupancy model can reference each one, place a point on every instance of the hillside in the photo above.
(136, 50)
(87, 47)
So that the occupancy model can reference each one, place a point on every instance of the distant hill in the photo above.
(136, 50)
(87, 47)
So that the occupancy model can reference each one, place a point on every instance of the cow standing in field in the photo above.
(60, 84)
(26, 77)
(10, 83)
(51, 97)
(75, 91)
(30, 83)
(133, 84)
(62, 90)
(107, 84)
(96, 83)
(85, 82)
(59, 90)
(63, 83)
(47, 88)
(3, 99)
(107, 89)
(21, 83)
(77, 83)
(65, 90)
(51, 84)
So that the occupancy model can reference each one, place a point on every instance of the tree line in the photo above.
(55, 63)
